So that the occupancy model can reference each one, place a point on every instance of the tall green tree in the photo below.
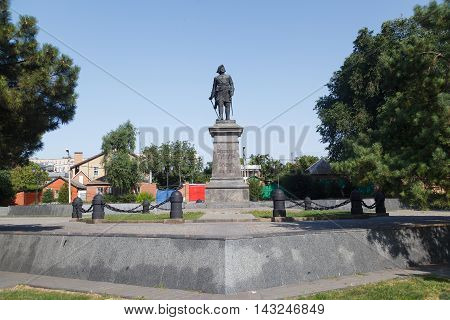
(271, 169)
(30, 177)
(63, 194)
(386, 118)
(37, 88)
(178, 160)
(48, 197)
(301, 163)
(121, 165)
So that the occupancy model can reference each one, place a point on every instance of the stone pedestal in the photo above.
(226, 184)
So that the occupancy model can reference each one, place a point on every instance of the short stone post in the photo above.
(145, 206)
(279, 203)
(356, 201)
(98, 207)
(176, 205)
(379, 202)
(307, 203)
(77, 205)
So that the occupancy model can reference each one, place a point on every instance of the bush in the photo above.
(302, 186)
(144, 196)
(127, 198)
(440, 201)
(47, 196)
(109, 198)
(255, 189)
(63, 195)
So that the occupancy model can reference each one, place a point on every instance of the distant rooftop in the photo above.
(321, 167)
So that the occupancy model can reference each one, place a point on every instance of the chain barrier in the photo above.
(322, 207)
(295, 203)
(318, 206)
(123, 210)
(87, 210)
(372, 206)
(157, 206)
(151, 207)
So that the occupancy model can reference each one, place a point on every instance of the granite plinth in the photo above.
(226, 184)
(217, 263)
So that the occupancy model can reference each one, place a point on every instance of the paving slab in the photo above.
(227, 214)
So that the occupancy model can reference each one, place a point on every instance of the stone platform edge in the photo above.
(224, 266)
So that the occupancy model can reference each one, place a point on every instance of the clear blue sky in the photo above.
(277, 52)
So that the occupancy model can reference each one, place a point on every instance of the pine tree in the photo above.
(47, 196)
(386, 117)
(63, 194)
(37, 88)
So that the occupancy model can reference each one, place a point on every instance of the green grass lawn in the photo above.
(298, 214)
(411, 288)
(146, 217)
(28, 293)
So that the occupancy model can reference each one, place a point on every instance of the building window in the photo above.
(95, 171)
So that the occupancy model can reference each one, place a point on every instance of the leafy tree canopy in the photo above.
(271, 169)
(121, 139)
(30, 177)
(302, 163)
(121, 165)
(37, 88)
(179, 159)
(386, 117)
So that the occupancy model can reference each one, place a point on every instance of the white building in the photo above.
(59, 166)
(250, 170)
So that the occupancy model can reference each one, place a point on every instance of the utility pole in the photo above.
(35, 190)
(70, 182)
(244, 161)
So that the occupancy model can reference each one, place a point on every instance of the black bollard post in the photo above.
(356, 201)
(176, 205)
(77, 205)
(98, 207)
(145, 206)
(308, 205)
(379, 201)
(279, 205)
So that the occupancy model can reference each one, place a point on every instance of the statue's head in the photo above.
(221, 69)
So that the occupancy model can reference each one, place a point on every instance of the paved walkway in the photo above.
(210, 230)
(11, 279)
(227, 214)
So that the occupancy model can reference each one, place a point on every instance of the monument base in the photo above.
(226, 184)
(227, 191)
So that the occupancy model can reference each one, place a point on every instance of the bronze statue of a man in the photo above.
(222, 92)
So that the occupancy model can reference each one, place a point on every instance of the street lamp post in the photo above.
(244, 162)
(70, 184)
(35, 190)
